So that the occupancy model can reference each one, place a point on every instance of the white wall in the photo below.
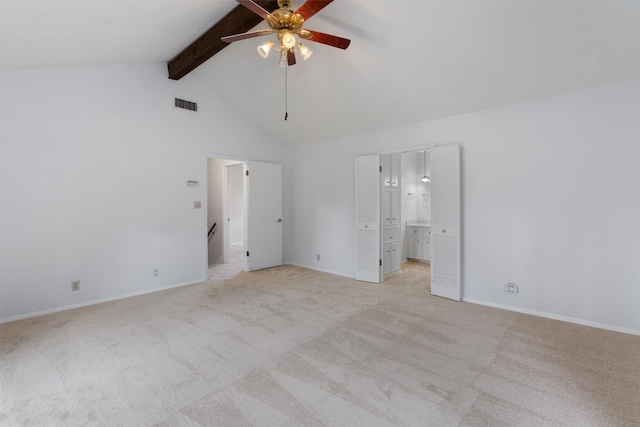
(94, 164)
(550, 199)
(214, 211)
(423, 191)
(94, 169)
(236, 204)
(413, 170)
(409, 184)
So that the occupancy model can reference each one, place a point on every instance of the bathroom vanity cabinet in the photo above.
(419, 242)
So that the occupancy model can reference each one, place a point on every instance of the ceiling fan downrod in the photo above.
(286, 83)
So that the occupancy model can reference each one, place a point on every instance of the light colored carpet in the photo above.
(234, 265)
(294, 347)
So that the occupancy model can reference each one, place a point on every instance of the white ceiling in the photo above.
(409, 61)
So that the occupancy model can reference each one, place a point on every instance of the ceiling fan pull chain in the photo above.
(286, 114)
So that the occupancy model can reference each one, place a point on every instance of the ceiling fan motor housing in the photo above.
(286, 22)
(284, 18)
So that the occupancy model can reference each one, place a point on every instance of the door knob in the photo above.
(279, 220)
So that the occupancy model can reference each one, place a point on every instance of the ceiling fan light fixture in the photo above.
(425, 178)
(264, 48)
(283, 58)
(304, 51)
(287, 40)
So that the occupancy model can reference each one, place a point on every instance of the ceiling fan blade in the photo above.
(243, 36)
(255, 8)
(328, 39)
(311, 7)
(291, 57)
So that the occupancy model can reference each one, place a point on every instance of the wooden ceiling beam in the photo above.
(239, 20)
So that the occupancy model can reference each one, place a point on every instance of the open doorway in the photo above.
(431, 215)
(225, 218)
(406, 212)
(383, 227)
(258, 210)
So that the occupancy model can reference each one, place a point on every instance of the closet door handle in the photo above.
(279, 220)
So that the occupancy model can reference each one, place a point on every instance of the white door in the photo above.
(263, 214)
(368, 257)
(445, 222)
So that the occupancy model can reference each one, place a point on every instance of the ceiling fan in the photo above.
(286, 23)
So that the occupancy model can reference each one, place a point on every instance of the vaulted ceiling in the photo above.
(409, 61)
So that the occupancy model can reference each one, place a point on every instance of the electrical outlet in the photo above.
(156, 271)
(318, 257)
(510, 288)
(75, 285)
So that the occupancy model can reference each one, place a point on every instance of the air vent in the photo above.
(187, 105)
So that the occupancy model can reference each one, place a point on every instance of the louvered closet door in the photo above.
(368, 218)
(445, 222)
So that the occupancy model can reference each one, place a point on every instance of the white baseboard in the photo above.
(94, 302)
(320, 269)
(556, 317)
(469, 300)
